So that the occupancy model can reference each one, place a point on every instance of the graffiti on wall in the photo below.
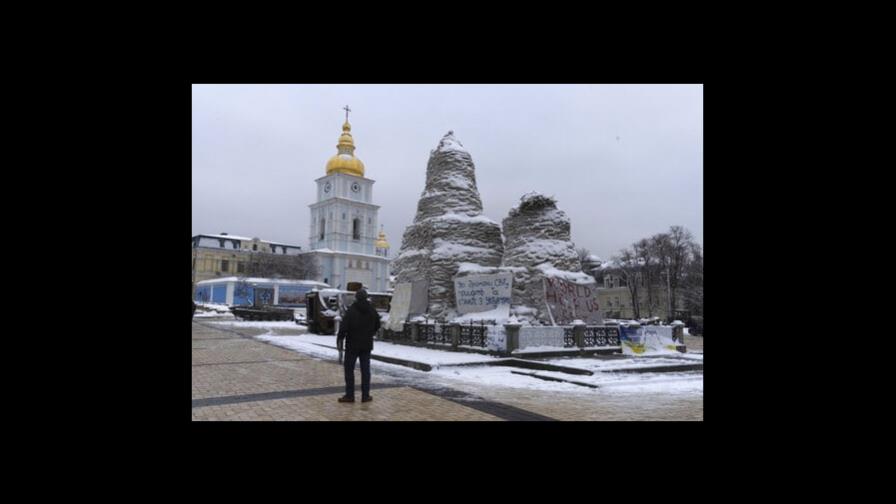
(568, 301)
(293, 295)
(478, 293)
(203, 294)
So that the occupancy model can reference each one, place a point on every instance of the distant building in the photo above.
(615, 297)
(217, 255)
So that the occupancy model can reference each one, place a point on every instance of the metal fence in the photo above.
(435, 334)
(601, 336)
(473, 335)
(595, 336)
(569, 338)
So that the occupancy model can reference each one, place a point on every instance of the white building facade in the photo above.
(343, 240)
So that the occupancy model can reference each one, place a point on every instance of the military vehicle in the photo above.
(262, 309)
(322, 307)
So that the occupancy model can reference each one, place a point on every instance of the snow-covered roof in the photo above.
(262, 280)
(226, 237)
(244, 238)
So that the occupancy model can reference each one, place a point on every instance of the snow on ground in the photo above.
(417, 354)
(223, 308)
(597, 364)
(264, 324)
(445, 374)
(206, 314)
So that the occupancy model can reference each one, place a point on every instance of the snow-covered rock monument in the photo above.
(548, 283)
(458, 259)
(449, 229)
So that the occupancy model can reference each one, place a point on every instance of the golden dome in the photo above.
(381, 240)
(345, 161)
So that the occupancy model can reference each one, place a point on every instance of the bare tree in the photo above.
(693, 284)
(629, 269)
(267, 265)
(585, 260)
(661, 249)
(583, 254)
(643, 251)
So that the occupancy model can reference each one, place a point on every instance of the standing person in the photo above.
(361, 322)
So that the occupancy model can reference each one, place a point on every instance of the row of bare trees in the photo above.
(268, 265)
(671, 263)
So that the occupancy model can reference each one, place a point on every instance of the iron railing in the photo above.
(601, 336)
(473, 335)
(569, 338)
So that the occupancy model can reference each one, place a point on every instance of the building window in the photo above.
(240, 267)
(356, 229)
(343, 215)
(221, 242)
(254, 246)
(225, 264)
(322, 222)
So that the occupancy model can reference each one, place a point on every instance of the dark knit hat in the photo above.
(361, 294)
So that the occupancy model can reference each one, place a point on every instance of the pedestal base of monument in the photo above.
(447, 347)
(570, 352)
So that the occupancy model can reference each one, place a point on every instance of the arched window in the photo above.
(322, 222)
(356, 229)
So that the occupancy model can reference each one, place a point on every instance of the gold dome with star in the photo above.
(345, 161)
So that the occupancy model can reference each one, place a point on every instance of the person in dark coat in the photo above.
(360, 324)
(194, 309)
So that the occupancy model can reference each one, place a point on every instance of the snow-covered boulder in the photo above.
(448, 229)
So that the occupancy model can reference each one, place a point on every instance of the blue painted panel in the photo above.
(219, 293)
(243, 294)
(264, 294)
(203, 294)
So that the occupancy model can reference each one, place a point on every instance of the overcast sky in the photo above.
(623, 161)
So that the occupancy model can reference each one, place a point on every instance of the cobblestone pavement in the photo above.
(237, 378)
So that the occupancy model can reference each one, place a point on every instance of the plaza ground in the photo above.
(236, 376)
